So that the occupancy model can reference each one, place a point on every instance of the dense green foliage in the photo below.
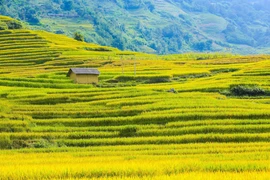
(240, 26)
(128, 131)
(78, 36)
(247, 90)
(8, 23)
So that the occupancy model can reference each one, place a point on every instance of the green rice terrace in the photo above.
(188, 116)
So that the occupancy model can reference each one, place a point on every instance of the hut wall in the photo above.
(73, 77)
(86, 79)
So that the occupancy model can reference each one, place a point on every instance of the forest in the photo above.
(161, 27)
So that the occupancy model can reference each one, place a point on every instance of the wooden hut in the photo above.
(83, 75)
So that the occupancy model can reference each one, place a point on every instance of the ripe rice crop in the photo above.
(176, 118)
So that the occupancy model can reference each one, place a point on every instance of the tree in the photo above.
(14, 24)
(203, 46)
(67, 5)
(29, 14)
(3, 26)
(78, 36)
(2, 2)
(119, 42)
(57, 1)
(133, 4)
(3, 8)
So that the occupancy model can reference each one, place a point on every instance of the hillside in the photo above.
(181, 116)
(161, 26)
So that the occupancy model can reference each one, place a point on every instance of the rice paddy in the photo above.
(150, 117)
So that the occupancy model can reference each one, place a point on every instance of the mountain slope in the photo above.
(161, 26)
(150, 117)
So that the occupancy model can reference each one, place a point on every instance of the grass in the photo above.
(125, 162)
(129, 126)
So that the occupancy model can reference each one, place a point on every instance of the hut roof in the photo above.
(83, 71)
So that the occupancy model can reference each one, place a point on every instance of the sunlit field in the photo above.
(188, 116)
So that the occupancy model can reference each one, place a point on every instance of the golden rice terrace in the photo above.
(189, 116)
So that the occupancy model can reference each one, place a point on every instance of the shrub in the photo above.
(5, 142)
(78, 36)
(128, 131)
(247, 90)
(144, 79)
(223, 70)
(14, 24)
(43, 143)
(60, 31)
(97, 49)
(192, 75)
(17, 144)
(3, 26)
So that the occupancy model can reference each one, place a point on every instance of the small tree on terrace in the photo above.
(78, 36)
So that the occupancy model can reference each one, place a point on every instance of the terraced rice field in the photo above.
(129, 126)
